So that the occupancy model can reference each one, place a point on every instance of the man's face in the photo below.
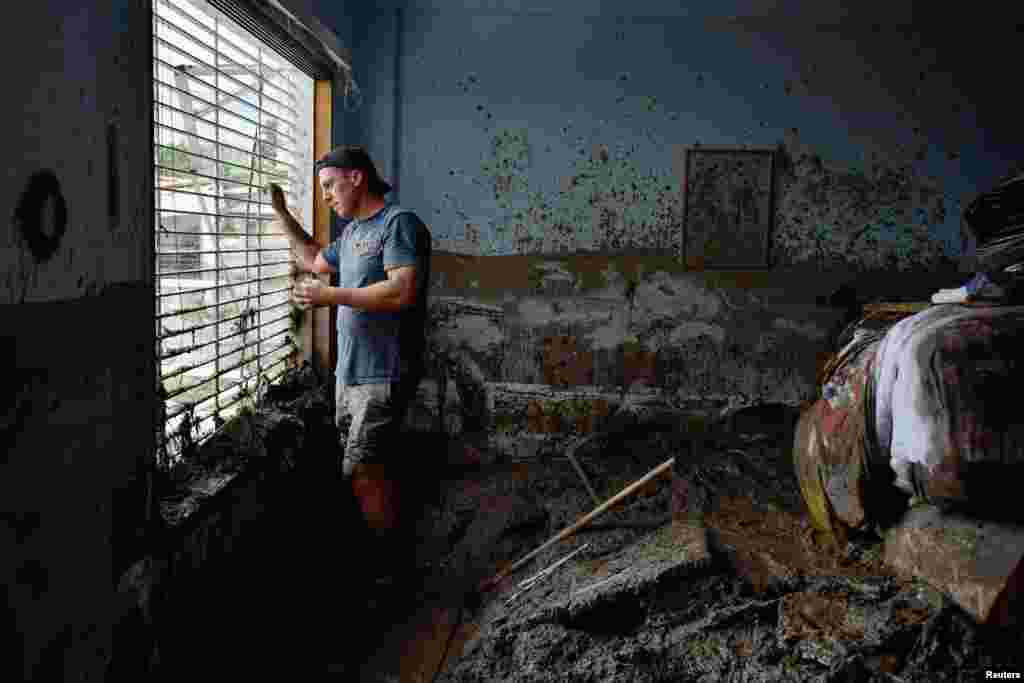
(341, 189)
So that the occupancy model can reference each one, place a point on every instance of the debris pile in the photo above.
(750, 595)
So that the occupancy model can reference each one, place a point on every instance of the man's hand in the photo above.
(302, 243)
(277, 200)
(310, 292)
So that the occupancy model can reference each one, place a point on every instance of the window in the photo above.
(230, 115)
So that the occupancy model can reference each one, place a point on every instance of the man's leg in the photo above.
(377, 494)
(370, 465)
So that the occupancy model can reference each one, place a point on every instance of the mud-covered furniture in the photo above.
(919, 408)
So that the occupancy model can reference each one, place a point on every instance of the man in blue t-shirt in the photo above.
(382, 258)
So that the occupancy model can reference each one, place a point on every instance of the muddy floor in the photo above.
(747, 597)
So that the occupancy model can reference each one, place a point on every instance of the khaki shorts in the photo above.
(377, 412)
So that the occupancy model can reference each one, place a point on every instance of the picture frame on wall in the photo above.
(728, 207)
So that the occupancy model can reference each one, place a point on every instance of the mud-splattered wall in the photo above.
(545, 145)
(77, 345)
(541, 132)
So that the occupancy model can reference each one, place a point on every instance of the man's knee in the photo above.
(367, 470)
(377, 495)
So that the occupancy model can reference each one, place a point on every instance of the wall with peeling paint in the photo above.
(78, 345)
(574, 144)
(544, 145)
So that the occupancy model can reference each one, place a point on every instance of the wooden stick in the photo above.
(571, 454)
(583, 521)
(541, 574)
(529, 583)
(601, 582)
(897, 307)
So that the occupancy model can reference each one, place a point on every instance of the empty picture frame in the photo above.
(729, 207)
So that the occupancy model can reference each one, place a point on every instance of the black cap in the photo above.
(355, 158)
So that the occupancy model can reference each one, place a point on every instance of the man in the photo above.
(382, 258)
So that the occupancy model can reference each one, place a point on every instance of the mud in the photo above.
(741, 591)
(750, 596)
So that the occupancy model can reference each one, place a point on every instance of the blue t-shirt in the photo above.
(381, 347)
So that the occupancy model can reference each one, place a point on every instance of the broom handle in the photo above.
(586, 519)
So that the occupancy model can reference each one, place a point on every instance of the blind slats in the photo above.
(238, 349)
(191, 349)
(187, 292)
(221, 198)
(161, 104)
(211, 397)
(226, 216)
(221, 373)
(241, 105)
(222, 252)
(190, 330)
(221, 269)
(212, 106)
(269, 25)
(226, 70)
(225, 93)
(223, 145)
(209, 177)
(223, 37)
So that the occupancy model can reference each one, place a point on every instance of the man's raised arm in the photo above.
(307, 249)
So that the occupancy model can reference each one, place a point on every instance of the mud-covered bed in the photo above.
(924, 408)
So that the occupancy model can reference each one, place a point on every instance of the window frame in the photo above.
(314, 340)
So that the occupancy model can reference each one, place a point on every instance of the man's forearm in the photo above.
(304, 245)
(380, 297)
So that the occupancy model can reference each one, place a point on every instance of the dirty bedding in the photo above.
(931, 397)
(946, 382)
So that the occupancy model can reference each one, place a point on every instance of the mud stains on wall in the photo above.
(729, 206)
(870, 218)
(74, 465)
(567, 147)
(605, 203)
(674, 331)
(550, 174)
(78, 345)
(827, 214)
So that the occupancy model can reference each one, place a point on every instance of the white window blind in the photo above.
(230, 115)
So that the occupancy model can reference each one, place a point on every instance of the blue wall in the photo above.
(481, 117)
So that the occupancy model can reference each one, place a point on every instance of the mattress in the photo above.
(924, 408)
(945, 400)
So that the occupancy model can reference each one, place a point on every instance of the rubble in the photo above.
(974, 561)
(735, 587)
(756, 600)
